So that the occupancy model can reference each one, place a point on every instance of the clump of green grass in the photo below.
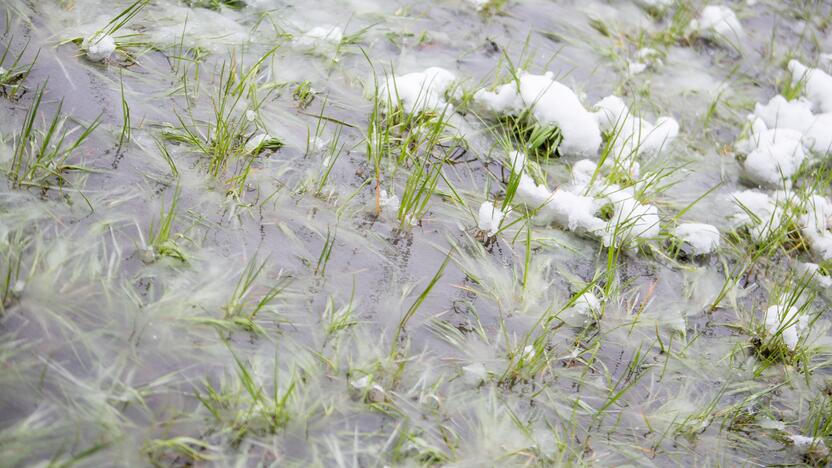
(341, 318)
(240, 303)
(303, 94)
(676, 30)
(11, 274)
(790, 88)
(216, 5)
(326, 252)
(418, 191)
(417, 141)
(162, 240)
(224, 139)
(41, 156)
(243, 406)
(539, 141)
(14, 72)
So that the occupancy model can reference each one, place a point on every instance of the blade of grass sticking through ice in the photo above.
(396, 344)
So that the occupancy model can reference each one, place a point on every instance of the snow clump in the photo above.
(551, 103)
(698, 238)
(99, 46)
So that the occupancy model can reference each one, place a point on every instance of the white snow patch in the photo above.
(701, 238)
(552, 103)
(531, 194)
(575, 212)
(420, 91)
(631, 219)
(255, 142)
(585, 307)
(633, 135)
(815, 225)
(790, 323)
(99, 47)
(797, 115)
(582, 172)
(479, 4)
(805, 443)
(489, 218)
(718, 22)
(773, 155)
(326, 34)
(813, 270)
(389, 203)
(634, 68)
(817, 84)
(757, 211)
(569, 210)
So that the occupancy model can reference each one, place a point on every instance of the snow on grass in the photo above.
(788, 323)
(99, 47)
(797, 115)
(631, 220)
(276, 327)
(718, 22)
(551, 103)
(633, 135)
(489, 218)
(817, 84)
(816, 224)
(699, 238)
(773, 155)
(756, 211)
(420, 91)
(806, 444)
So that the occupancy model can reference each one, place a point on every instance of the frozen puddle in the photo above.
(368, 233)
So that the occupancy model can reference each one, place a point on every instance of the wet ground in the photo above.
(160, 310)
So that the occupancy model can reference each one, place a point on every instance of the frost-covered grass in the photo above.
(469, 233)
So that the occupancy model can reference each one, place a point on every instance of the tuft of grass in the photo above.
(126, 130)
(417, 192)
(303, 94)
(326, 253)
(223, 139)
(11, 275)
(15, 72)
(240, 305)
(163, 242)
(338, 319)
(216, 5)
(40, 157)
(396, 345)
